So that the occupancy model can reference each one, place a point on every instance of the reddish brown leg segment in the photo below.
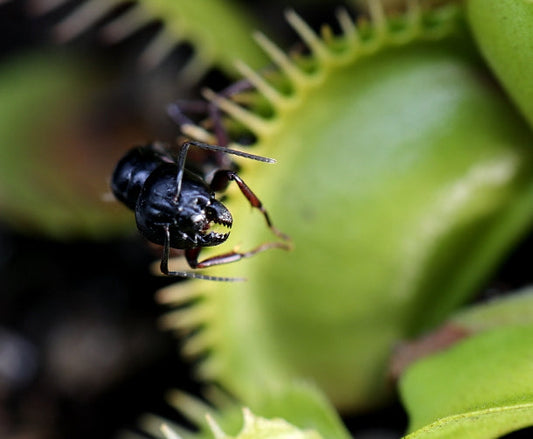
(221, 180)
(226, 258)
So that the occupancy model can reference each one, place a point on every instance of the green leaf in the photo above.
(54, 169)
(479, 388)
(504, 32)
(511, 309)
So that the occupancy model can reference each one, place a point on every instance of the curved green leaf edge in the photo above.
(479, 388)
(514, 308)
(481, 424)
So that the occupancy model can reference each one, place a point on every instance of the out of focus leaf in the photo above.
(58, 149)
(479, 388)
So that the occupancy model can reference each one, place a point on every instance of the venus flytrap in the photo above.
(403, 177)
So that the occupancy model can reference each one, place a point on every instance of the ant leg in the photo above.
(221, 180)
(182, 157)
(176, 113)
(187, 274)
(236, 88)
(221, 133)
(164, 259)
(176, 110)
(226, 258)
(215, 114)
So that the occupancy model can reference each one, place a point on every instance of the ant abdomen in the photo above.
(131, 173)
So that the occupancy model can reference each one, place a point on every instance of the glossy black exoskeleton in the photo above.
(177, 208)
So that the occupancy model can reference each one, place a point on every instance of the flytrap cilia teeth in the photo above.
(214, 42)
(264, 420)
(402, 176)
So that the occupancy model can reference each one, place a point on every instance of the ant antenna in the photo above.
(182, 156)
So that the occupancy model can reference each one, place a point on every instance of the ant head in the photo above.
(203, 219)
(196, 219)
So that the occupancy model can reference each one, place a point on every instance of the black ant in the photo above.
(175, 207)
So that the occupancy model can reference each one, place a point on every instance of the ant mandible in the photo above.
(175, 207)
